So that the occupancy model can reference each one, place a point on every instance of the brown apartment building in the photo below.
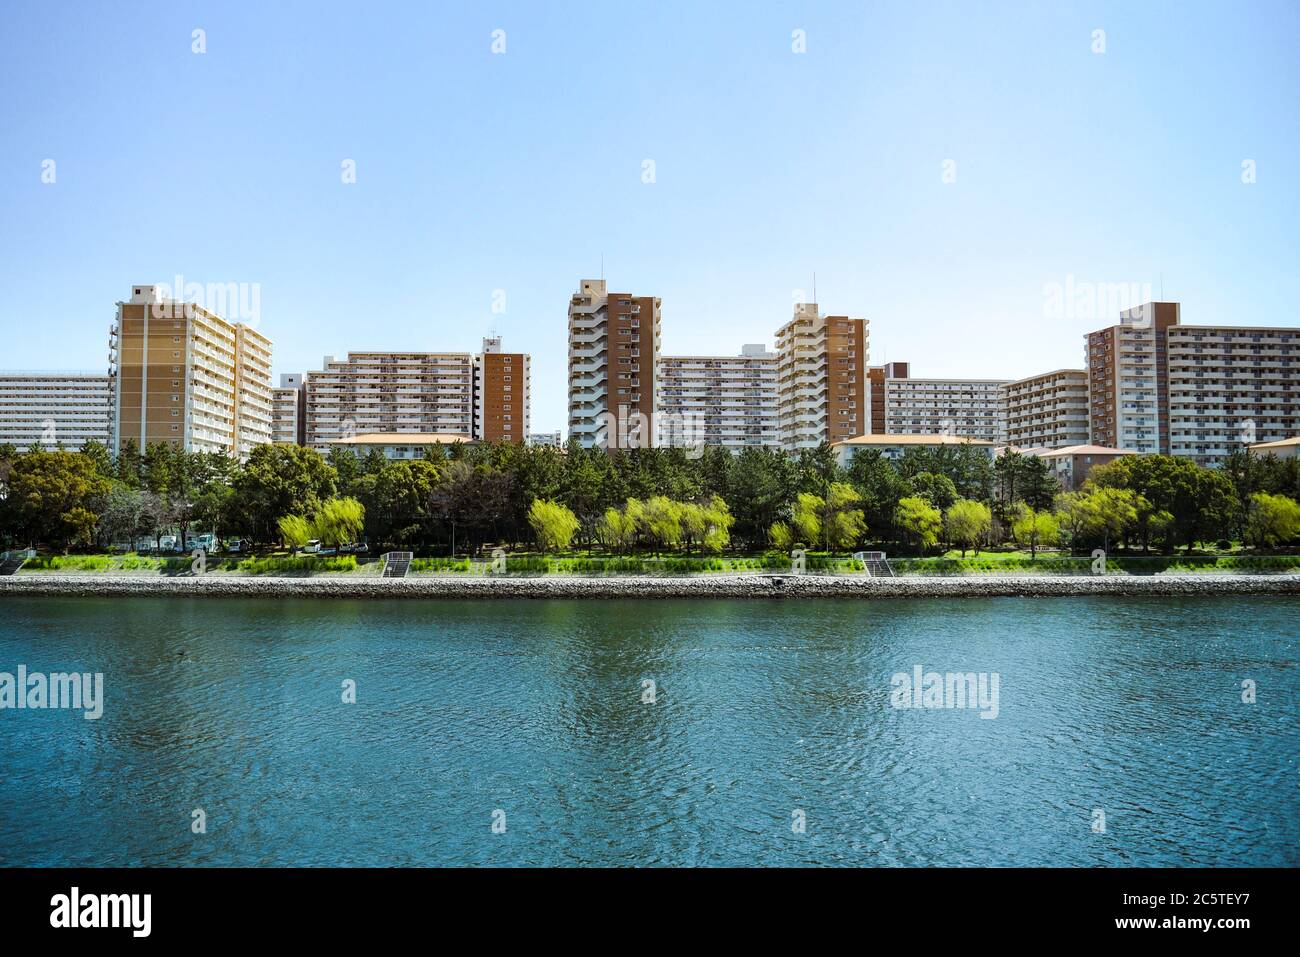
(181, 375)
(614, 343)
(821, 378)
(501, 394)
(1155, 385)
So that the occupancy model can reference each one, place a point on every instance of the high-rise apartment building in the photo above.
(1128, 399)
(482, 396)
(965, 408)
(1231, 387)
(184, 376)
(727, 401)
(614, 341)
(877, 376)
(288, 405)
(502, 383)
(53, 409)
(821, 378)
(1049, 410)
(1203, 392)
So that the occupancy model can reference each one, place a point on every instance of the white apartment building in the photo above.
(54, 408)
(614, 341)
(821, 378)
(288, 401)
(181, 375)
(484, 397)
(1231, 387)
(964, 408)
(727, 401)
(554, 440)
(1046, 411)
(390, 392)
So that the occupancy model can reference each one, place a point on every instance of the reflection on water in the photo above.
(761, 708)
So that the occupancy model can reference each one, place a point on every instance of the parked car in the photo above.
(330, 550)
(235, 545)
(312, 547)
(361, 548)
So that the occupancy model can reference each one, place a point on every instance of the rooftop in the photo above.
(1280, 443)
(1084, 450)
(937, 439)
(403, 438)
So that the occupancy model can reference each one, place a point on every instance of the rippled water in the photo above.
(535, 708)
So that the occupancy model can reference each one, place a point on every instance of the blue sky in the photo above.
(478, 172)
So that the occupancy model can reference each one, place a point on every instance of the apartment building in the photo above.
(1072, 464)
(963, 408)
(614, 344)
(725, 401)
(502, 396)
(1049, 410)
(1155, 385)
(52, 409)
(484, 396)
(1231, 387)
(876, 378)
(182, 375)
(1128, 401)
(821, 378)
(893, 447)
(288, 406)
(554, 440)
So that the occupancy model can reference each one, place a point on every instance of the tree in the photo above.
(661, 520)
(782, 536)
(919, 522)
(1114, 511)
(295, 530)
(1272, 520)
(339, 520)
(279, 480)
(52, 495)
(553, 525)
(938, 490)
(967, 523)
(1035, 529)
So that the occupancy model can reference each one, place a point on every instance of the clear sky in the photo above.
(479, 171)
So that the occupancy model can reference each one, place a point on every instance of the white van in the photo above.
(312, 547)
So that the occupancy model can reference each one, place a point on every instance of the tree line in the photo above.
(640, 499)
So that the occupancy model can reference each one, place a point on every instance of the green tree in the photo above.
(279, 480)
(53, 494)
(919, 522)
(967, 523)
(1037, 529)
(1272, 520)
(339, 520)
(295, 530)
(553, 525)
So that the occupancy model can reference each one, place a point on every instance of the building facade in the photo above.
(614, 342)
(892, 447)
(1155, 385)
(1072, 464)
(53, 409)
(484, 396)
(186, 377)
(1128, 398)
(725, 401)
(821, 378)
(288, 405)
(1230, 387)
(1046, 411)
(964, 408)
(502, 394)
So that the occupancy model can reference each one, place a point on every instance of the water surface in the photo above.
(762, 708)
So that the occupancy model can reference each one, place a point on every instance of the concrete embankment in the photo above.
(711, 586)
